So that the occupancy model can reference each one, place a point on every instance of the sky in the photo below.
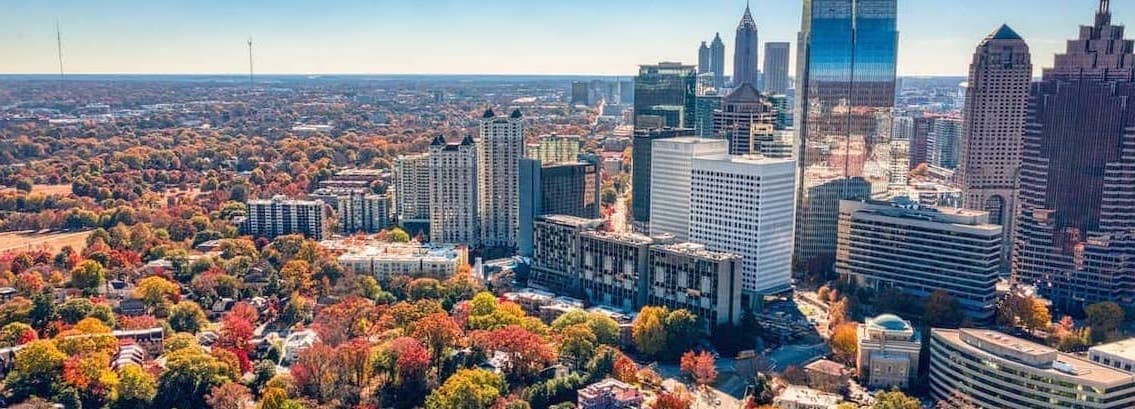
(601, 37)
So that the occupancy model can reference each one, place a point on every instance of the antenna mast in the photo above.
(251, 84)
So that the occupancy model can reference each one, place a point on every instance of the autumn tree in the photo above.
(895, 399)
(577, 344)
(231, 395)
(649, 330)
(683, 330)
(845, 341)
(87, 276)
(526, 352)
(190, 375)
(942, 310)
(91, 375)
(155, 291)
(701, 367)
(37, 369)
(439, 332)
(350, 318)
(668, 400)
(467, 389)
(16, 333)
(136, 388)
(186, 316)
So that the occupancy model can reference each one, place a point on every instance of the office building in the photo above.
(783, 110)
(845, 93)
(1119, 355)
(773, 143)
(717, 61)
(453, 192)
(703, 58)
(556, 252)
(704, 109)
(412, 192)
(640, 176)
(498, 169)
(556, 149)
(580, 93)
(887, 353)
(921, 128)
(740, 110)
(570, 189)
(281, 216)
(1074, 236)
(745, 51)
(776, 68)
(816, 240)
(671, 166)
(944, 145)
(361, 211)
(993, 123)
(743, 205)
(704, 282)
(613, 267)
(987, 369)
(665, 96)
(920, 250)
(902, 129)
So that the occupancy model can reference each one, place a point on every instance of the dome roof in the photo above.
(889, 322)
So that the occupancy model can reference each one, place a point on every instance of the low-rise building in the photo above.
(888, 351)
(1119, 355)
(381, 259)
(799, 397)
(610, 394)
(988, 369)
(686, 275)
(297, 342)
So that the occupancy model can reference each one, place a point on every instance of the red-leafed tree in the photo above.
(412, 364)
(438, 332)
(312, 371)
(625, 370)
(350, 318)
(670, 401)
(526, 352)
(699, 366)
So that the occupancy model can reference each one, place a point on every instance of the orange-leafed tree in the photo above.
(699, 366)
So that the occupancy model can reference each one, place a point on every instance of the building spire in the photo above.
(1103, 16)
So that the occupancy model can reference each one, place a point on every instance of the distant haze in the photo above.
(608, 37)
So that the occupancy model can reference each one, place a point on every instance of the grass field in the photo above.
(62, 190)
(52, 241)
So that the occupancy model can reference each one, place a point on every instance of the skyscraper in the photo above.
(665, 96)
(498, 168)
(412, 192)
(717, 61)
(993, 122)
(740, 111)
(776, 68)
(845, 93)
(570, 189)
(1075, 234)
(745, 51)
(944, 144)
(453, 192)
(670, 166)
(640, 175)
(703, 58)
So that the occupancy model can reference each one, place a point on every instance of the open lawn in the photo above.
(53, 241)
(62, 190)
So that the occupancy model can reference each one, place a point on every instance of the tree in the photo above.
(136, 388)
(1039, 317)
(37, 369)
(16, 333)
(699, 366)
(895, 399)
(527, 352)
(577, 345)
(186, 316)
(605, 328)
(277, 398)
(296, 275)
(1105, 320)
(438, 331)
(190, 375)
(683, 330)
(845, 341)
(231, 395)
(87, 276)
(89, 335)
(413, 362)
(467, 389)
(625, 370)
(91, 375)
(668, 400)
(942, 310)
(155, 291)
(398, 235)
(649, 331)
(350, 318)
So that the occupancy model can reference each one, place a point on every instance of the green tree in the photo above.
(186, 316)
(189, 376)
(683, 330)
(577, 345)
(1105, 320)
(895, 399)
(649, 330)
(467, 389)
(136, 388)
(155, 291)
(87, 276)
(37, 370)
(398, 235)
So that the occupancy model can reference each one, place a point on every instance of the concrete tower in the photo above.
(498, 168)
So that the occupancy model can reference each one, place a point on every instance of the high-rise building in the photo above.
(665, 96)
(670, 166)
(1074, 237)
(498, 169)
(282, 216)
(412, 192)
(361, 211)
(920, 250)
(740, 110)
(717, 61)
(743, 205)
(921, 128)
(703, 58)
(981, 368)
(902, 129)
(556, 149)
(640, 175)
(887, 352)
(745, 51)
(706, 283)
(556, 252)
(816, 240)
(845, 93)
(993, 123)
(569, 189)
(453, 192)
(704, 109)
(776, 68)
(943, 146)
(580, 93)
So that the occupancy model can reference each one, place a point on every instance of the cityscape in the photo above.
(782, 222)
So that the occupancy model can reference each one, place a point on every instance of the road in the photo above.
(796, 355)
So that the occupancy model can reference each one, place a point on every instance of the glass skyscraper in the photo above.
(846, 93)
(665, 96)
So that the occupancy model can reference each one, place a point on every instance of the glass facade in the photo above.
(846, 94)
(665, 96)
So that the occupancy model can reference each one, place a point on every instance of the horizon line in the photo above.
(439, 74)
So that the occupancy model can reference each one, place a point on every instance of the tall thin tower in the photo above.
(59, 50)
(251, 84)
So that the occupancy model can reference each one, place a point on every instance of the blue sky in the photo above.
(488, 36)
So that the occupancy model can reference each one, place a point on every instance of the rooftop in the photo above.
(1039, 358)
(889, 322)
(571, 220)
(794, 393)
(1124, 349)
(697, 250)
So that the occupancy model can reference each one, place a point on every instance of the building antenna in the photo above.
(59, 50)
(251, 84)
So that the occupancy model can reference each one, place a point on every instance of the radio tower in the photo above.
(59, 50)
(251, 84)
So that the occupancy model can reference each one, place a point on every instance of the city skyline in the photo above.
(121, 37)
